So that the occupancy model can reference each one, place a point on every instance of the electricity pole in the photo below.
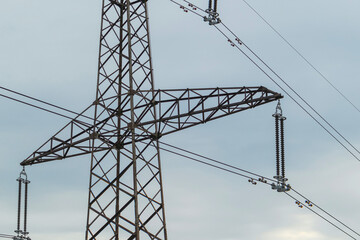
(126, 199)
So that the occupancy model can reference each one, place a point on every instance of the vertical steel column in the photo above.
(156, 142)
(132, 123)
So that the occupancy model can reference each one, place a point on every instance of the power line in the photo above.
(62, 115)
(44, 102)
(178, 153)
(301, 55)
(334, 225)
(211, 165)
(218, 162)
(327, 213)
(191, 4)
(186, 9)
(32, 105)
(236, 168)
(332, 135)
(293, 47)
(286, 92)
(45, 109)
(262, 177)
(169, 145)
(297, 102)
(293, 90)
(7, 236)
(252, 179)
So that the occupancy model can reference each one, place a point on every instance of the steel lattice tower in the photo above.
(126, 198)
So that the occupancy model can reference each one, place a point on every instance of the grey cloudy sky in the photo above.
(48, 49)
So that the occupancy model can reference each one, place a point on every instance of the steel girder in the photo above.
(125, 190)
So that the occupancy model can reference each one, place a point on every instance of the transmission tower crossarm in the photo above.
(183, 108)
(177, 109)
(72, 140)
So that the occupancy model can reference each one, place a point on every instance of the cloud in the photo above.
(303, 227)
(293, 234)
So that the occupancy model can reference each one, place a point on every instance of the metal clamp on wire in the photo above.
(213, 16)
(281, 185)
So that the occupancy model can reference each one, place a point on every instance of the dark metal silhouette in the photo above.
(125, 191)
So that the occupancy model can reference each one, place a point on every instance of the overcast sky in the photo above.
(48, 49)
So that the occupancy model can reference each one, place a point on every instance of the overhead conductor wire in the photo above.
(44, 102)
(301, 55)
(276, 83)
(6, 236)
(298, 95)
(334, 225)
(327, 213)
(246, 174)
(41, 101)
(191, 158)
(260, 180)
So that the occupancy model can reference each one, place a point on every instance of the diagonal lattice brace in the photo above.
(74, 139)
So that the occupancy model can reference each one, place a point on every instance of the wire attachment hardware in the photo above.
(213, 16)
(263, 180)
(309, 203)
(299, 204)
(252, 181)
(281, 185)
(22, 234)
(184, 9)
(192, 6)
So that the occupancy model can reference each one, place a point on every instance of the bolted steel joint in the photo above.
(156, 136)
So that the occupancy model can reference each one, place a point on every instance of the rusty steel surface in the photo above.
(125, 189)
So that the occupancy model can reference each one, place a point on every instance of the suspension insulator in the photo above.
(277, 145)
(282, 119)
(281, 185)
(19, 206)
(25, 206)
(213, 16)
(22, 234)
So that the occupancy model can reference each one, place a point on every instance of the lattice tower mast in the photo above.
(126, 199)
(125, 80)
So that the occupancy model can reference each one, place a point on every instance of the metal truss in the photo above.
(177, 110)
(125, 190)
